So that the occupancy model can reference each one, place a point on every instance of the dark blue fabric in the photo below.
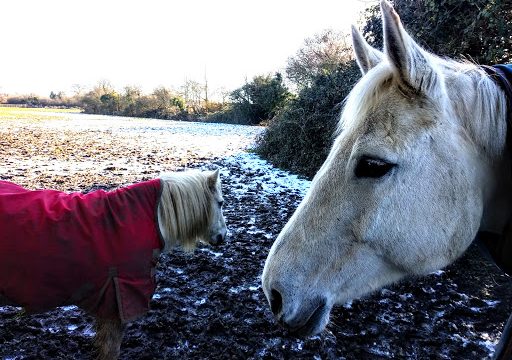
(499, 246)
(506, 69)
(503, 77)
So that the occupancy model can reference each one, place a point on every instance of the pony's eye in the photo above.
(221, 203)
(372, 167)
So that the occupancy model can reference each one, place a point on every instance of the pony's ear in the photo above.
(410, 61)
(213, 178)
(367, 56)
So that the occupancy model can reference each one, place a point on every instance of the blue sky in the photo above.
(51, 45)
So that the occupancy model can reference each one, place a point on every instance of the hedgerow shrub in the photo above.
(300, 136)
(255, 102)
(478, 30)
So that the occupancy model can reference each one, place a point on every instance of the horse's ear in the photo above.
(367, 57)
(213, 178)
(410, 61)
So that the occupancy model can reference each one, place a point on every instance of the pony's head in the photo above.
(408, 183)
(190, 209)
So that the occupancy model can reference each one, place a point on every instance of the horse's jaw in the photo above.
(304, 309)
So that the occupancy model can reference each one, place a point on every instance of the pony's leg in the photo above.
(109, 334)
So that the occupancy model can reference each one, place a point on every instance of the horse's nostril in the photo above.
(276, 302)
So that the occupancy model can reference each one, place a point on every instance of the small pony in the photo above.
(99, 250)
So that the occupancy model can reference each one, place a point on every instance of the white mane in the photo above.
(475, 98)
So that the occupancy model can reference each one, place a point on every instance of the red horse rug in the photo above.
(95, 250)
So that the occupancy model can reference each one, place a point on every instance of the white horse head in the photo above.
(190, 209)
(418, 168)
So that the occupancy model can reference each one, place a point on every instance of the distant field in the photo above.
(34, 113)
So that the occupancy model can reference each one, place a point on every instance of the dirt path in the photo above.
(209, 304)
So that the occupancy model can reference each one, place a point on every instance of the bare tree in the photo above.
(192, 92)
(78, 90)
(323, 52)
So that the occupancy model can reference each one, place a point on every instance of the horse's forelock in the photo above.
(364, 96)
(185, 208)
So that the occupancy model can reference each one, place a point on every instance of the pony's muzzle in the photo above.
(218, 239)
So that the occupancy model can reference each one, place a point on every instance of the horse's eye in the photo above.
(372, 167)
(221, 203)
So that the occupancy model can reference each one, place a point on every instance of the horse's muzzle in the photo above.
(309, 320)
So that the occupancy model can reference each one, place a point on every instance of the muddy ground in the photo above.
(209, 304)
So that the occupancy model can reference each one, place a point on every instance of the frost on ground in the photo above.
(209, 304)
(76, 149)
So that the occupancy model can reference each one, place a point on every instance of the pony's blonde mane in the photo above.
(476, 99)
(185, 208)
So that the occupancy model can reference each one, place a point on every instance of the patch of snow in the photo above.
(200, 302)
(51, 330)
(209, 251)
(298, 346)
(269, 344)
(176, 270)
(428, 290)
(245, 287)
(236, 290)
(6, 308)
(379, 352)
(386, 292)
(488, 343)
(262, 175)
(491, 303)
(465, 342)
(406, 296)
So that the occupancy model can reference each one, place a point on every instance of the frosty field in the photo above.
(209, 304)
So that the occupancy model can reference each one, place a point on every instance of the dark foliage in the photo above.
(54, 100)
(478, 30)
(299, 137)
(256, 102)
